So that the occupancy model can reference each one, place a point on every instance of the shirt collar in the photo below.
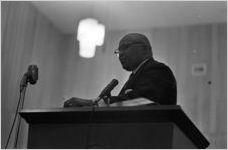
(139, 66)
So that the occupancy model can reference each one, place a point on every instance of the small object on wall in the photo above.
(199, 69)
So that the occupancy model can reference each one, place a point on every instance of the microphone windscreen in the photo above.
(32, 74)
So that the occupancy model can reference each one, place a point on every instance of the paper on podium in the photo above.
(133, 102)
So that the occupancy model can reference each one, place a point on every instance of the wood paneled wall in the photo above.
(29, 38)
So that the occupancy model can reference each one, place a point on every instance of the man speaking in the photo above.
(149, 79)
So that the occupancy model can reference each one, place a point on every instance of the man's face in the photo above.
(130, 55)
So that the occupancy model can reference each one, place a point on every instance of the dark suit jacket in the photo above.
(154, 81)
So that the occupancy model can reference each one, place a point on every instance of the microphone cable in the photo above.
(19, 124)
(15, 117)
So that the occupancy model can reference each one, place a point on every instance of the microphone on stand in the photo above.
(106, 90)
(30, 76)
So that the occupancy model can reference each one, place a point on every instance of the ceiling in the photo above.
(132, 15)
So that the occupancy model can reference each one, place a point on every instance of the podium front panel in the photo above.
(111, 135)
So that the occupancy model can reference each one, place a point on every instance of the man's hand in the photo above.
(77, 102)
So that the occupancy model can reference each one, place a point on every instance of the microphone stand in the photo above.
(23, 85)
(95, 103)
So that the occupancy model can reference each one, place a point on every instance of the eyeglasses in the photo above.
(117, 52)
(123, 48)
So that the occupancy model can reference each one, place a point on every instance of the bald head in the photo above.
(134, 48)
(137, 38)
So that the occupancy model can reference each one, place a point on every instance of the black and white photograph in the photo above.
(103, 74)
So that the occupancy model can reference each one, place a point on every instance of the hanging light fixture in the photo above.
(90, 34)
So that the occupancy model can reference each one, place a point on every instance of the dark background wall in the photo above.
(29, 38)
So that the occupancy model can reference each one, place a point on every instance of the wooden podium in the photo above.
(137, 127)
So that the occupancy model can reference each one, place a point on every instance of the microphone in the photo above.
(107, 90)
(30, 76)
